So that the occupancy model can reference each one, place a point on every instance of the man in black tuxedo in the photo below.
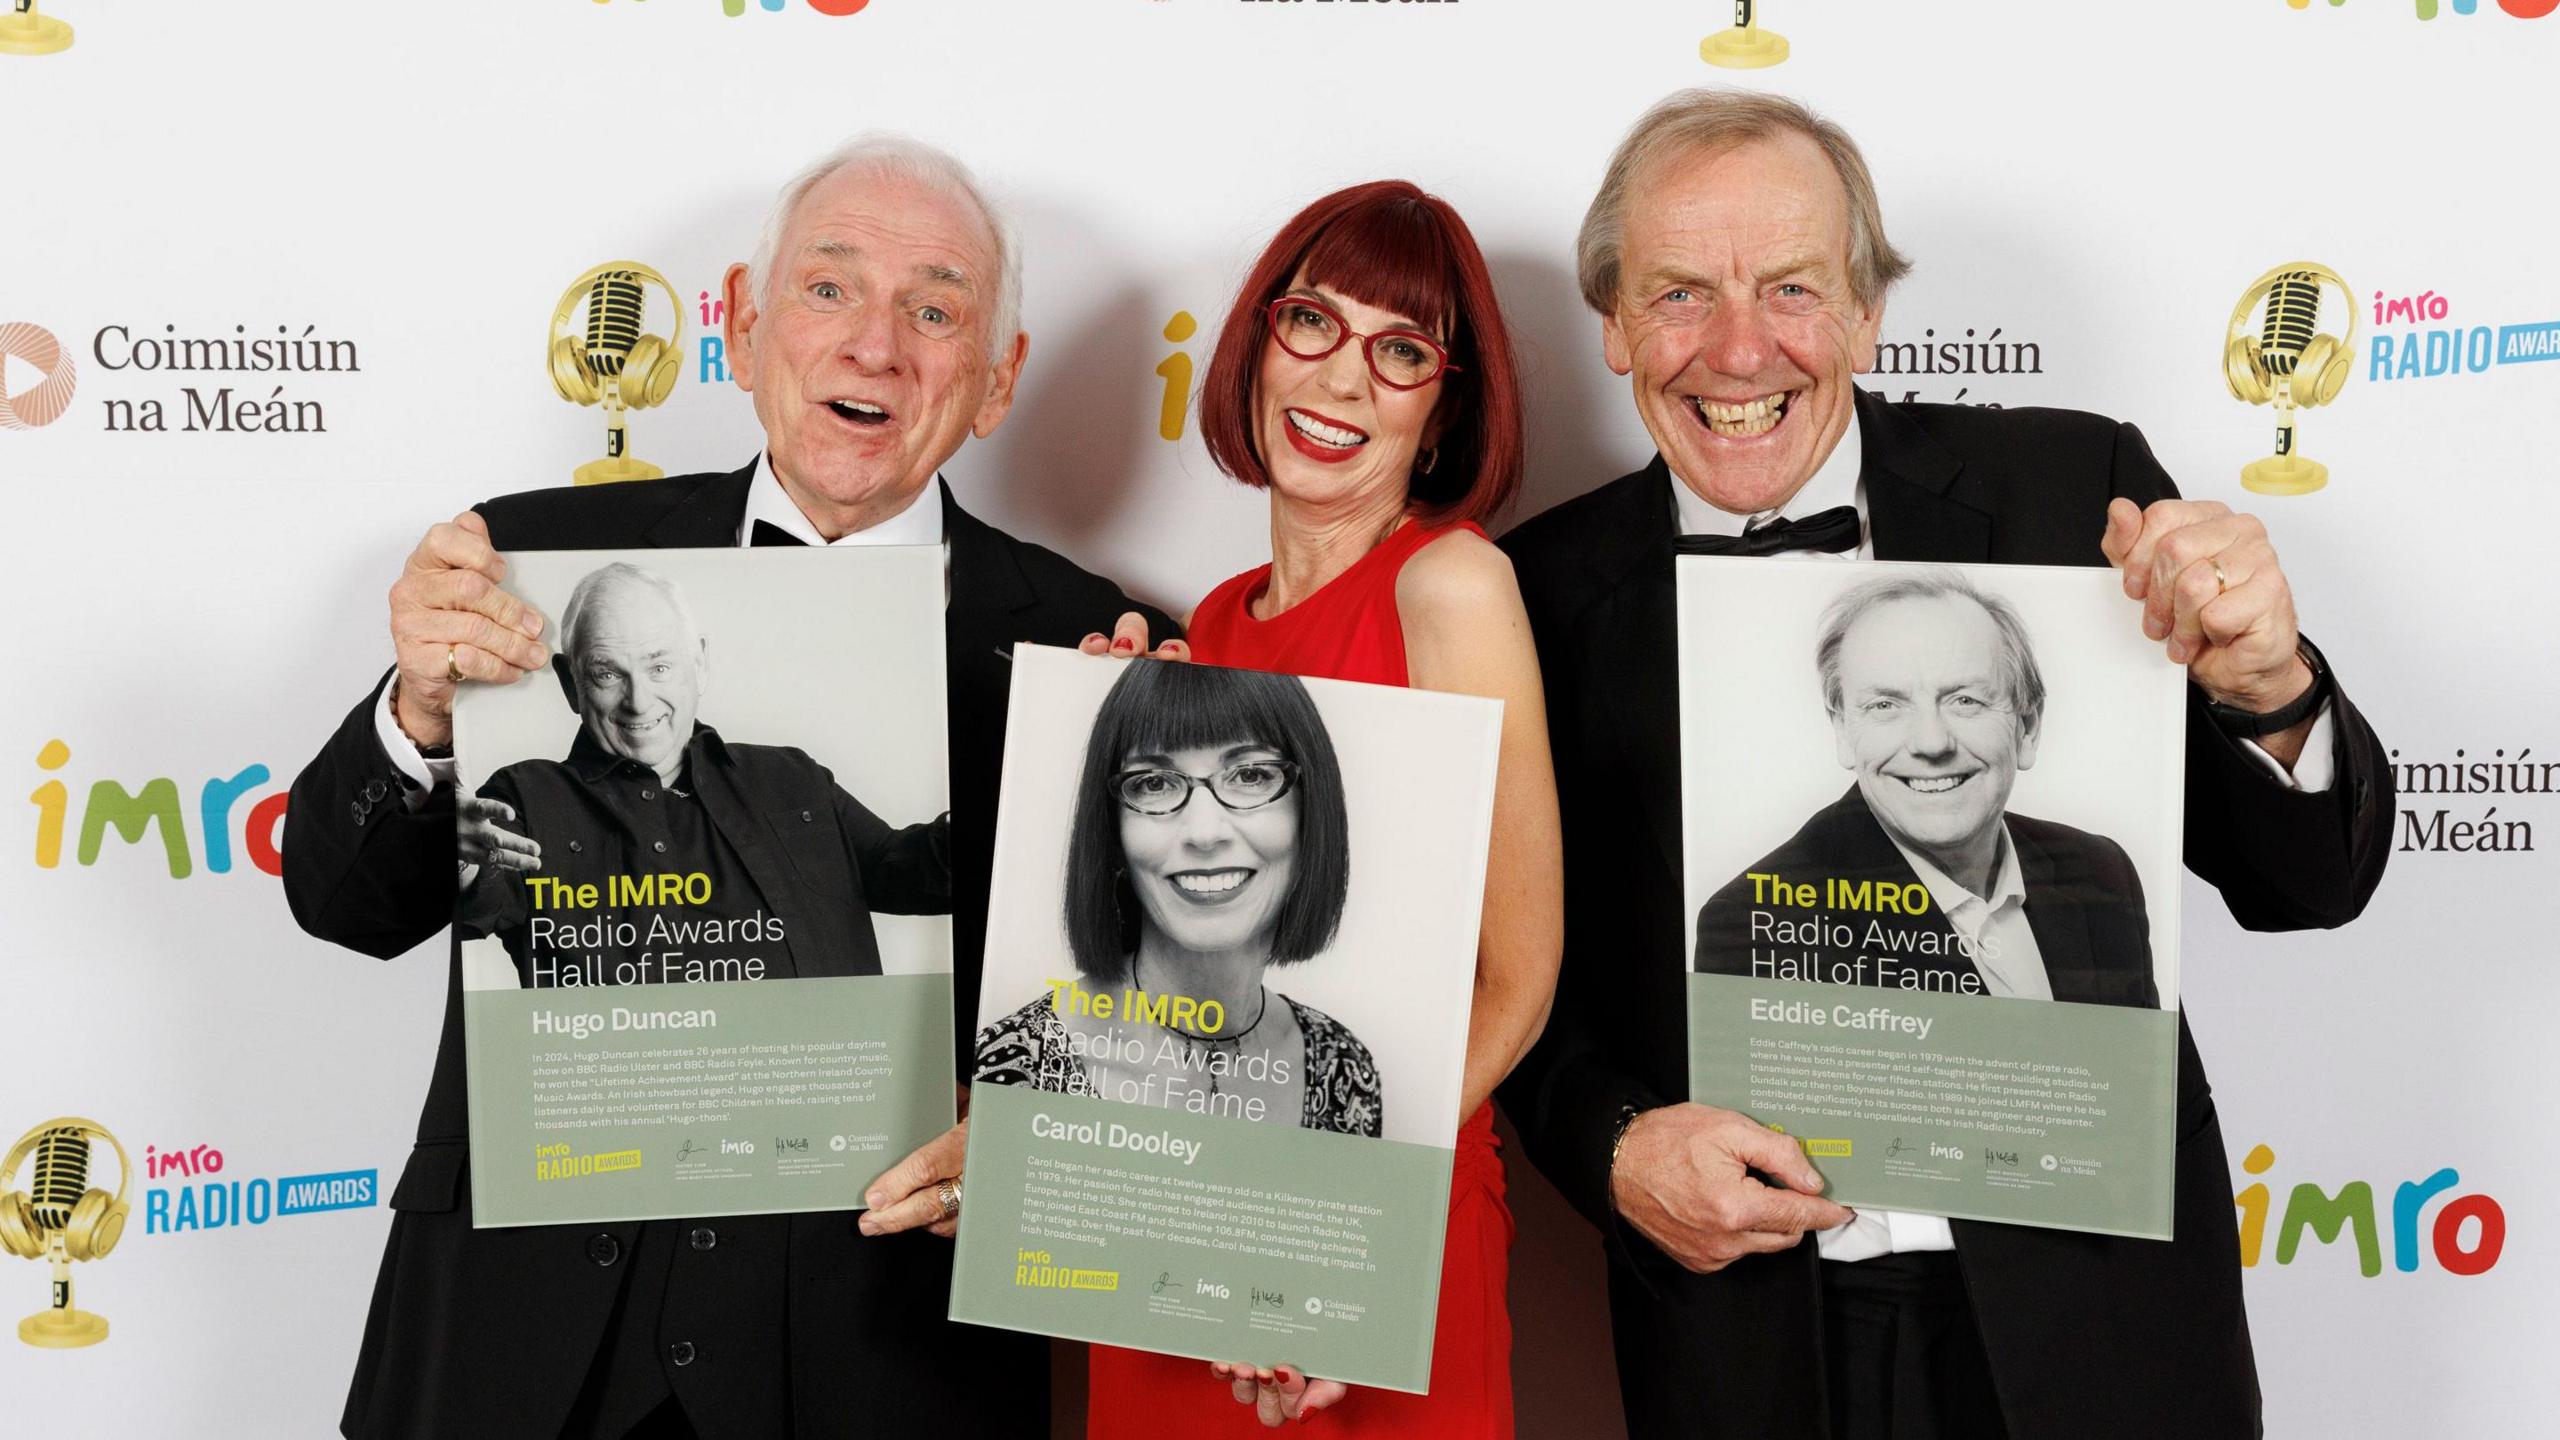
(1737, 259)
(1937, 702)
(876, 329)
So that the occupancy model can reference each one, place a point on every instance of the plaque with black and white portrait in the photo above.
(1930, 841)
(1222, 1031)
(705, 885)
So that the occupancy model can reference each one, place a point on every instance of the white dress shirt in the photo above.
(919, 524)
(2002, 914)
(2001, 944)
(1837, 483)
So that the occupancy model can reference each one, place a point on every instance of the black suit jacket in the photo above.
(491, 1332)
(2087, 1335)
(2084, 901)
(812, 855)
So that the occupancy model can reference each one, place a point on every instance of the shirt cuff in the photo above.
(1867, 1234)
(2317, 767)
(421, 772)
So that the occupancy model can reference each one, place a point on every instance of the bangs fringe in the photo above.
(1391, 253)
(1186, 706)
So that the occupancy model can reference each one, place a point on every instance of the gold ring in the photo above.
(452, 671)
(948, 1192)
(2221, 582)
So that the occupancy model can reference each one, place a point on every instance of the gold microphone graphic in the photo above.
(2288, 362)
(1746, 46)
(24, 32)
(62, 1220)
(616, 365)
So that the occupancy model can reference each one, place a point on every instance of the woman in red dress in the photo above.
(1365, 380)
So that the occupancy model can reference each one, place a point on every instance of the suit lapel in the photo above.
(988, 592)
(1908, 477)
(1865, 852)
(710, 516)
(986, 580)
(1649, 671)
(2059, 920)
(1632, 635)
(736, 818)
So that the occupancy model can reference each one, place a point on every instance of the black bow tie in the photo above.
(1833, 530)
(768, 533)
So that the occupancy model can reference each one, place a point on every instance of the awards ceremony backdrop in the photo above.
(269, 277)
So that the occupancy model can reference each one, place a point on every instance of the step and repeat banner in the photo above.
(270, 283)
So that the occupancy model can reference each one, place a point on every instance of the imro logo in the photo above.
(711, 357)
(135, 814)
(2429, 9)
(2465, 1235)
(36, 378)
(2440, 340)
(1176, 371)
(205, 1200)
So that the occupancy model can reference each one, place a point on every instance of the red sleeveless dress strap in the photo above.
(1348, 630)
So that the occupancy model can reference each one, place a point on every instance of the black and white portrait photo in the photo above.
(690, 795)
(1943, 787)
(1238, 894)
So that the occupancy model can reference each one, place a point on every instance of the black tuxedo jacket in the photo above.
(2087, 1335)
(492, 1332)
(2084, 901)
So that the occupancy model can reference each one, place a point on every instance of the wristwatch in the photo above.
(1618, 1133)
(2242, 724)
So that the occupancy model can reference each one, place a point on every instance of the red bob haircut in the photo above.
(1387, 244)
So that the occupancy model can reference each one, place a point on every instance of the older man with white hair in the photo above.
(876, 330)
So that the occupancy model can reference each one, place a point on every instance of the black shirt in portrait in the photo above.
(753, 852)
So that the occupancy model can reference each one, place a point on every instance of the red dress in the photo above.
(1348, 630)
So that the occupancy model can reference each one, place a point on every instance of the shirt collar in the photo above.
(2007, 883)
(1835, 483)
(919, 524)
(590, 761)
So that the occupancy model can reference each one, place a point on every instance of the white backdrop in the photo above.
(2095, 181)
